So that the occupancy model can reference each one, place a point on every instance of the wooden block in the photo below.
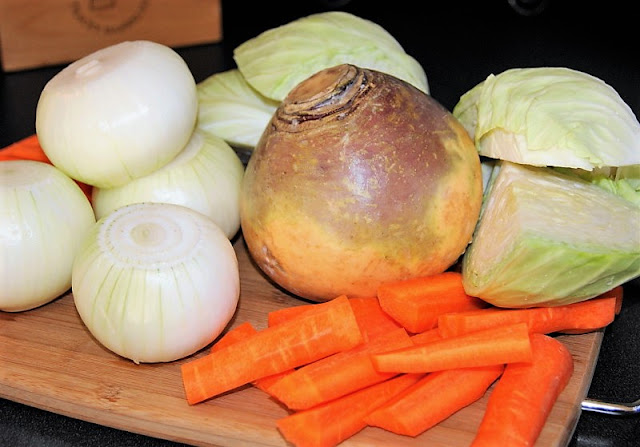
(36, 33)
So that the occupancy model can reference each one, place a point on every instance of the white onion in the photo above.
(206, 176)
(155, 282)
(43, 216)
(118, 113)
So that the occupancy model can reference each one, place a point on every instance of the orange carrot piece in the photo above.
(29, 149)
(371, 318)
(328, 424)
(433, 399)
(240, 332)
(26, 149)
(426, 336)
(337, 375)
(416, 303)
(502, 344)
(521, 401)
(328, 328)
(584, 316)
(235, 334)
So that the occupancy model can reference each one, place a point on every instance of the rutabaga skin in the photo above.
(359, 178)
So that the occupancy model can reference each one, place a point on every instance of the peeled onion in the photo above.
(155, 282)
(43, 216)
(118, 113)
(206, 176)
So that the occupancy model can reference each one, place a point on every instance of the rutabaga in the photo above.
(231, 109)
(278, 59)
(43, 216)
(550, 116)
(544, 238)
(205, 176)
(155, 282)
(117, 114)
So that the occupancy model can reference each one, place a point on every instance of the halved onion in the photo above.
(155, 282)
(206, 176)
(117, 114)
(43, 216)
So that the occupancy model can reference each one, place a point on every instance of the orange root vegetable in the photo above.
(29, 149)
(328, 424)
(584, 316)
(433, 399)
(325, 329)
(498, 345)
(233, 335)
(371, 318)
(426, 336)
(337, 375)
(521, 401)
(416, 303)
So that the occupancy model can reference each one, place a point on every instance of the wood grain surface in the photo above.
(49, 360)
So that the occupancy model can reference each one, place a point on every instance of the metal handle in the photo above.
(617, 409)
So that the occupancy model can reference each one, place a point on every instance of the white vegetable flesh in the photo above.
(155, 282)
(544, 238)
(205, 176)
(117, 114)
(43, 216)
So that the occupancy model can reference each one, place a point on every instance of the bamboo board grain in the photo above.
(49, 360)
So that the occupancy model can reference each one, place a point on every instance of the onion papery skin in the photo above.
(206, 176)
(43, 216)
(117, 114)
(155, 282)
(359, 178)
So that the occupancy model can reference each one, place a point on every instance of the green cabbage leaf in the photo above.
(229, 108)
(550, 116)
(278, 59)
(545, 238)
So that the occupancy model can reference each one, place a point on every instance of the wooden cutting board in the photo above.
(49, 360)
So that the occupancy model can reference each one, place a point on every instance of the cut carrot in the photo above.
(416, 303)
(433, 399)
(426, 336)
(328, 328)
(329, 424)
(502, 344)
(521, 401)
(241, 332)
(337, 375)
(235, 334)
(583, 316)
(371, 318)
(29, 149)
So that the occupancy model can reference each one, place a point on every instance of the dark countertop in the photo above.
(458, 44)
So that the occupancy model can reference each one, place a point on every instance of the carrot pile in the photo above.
(403, 361)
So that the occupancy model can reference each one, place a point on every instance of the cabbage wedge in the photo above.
(550, 116)
(545, 239)
(278, 59)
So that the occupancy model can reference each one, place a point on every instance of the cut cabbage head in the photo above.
(550, 116)
(545, 239)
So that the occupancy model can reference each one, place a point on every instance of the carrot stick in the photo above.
(328, 424)
(426, 336)
(337, 375)
(26, 149)
(521, 401)
(29, 149)
(416, 303)
(371, 318)
(328, 328)
(433, 399)
(235, 334)
(502, 344)
(583, 316)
